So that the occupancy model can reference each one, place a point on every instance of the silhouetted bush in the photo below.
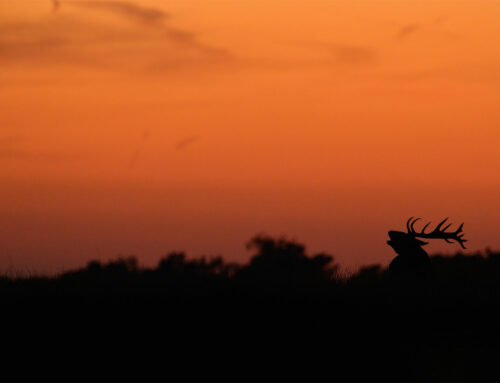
(283, 263)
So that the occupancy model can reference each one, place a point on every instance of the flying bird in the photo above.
(186, 142)
(407, 30)
(55, 5)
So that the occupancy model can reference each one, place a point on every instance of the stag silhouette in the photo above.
(411, 258)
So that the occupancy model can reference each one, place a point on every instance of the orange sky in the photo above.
(140, 127)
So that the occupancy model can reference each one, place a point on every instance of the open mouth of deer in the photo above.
(393, 237)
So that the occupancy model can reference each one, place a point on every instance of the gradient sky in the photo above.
(141, 127)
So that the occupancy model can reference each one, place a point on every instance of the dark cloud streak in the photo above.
(337, 54)
(346, 54)
(11, 148)
(65, 38)
(133, 11)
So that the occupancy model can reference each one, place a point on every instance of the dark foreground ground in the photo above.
(284, 316)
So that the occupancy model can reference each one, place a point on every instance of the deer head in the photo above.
(407, 243)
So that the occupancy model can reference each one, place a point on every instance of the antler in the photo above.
(437, 233)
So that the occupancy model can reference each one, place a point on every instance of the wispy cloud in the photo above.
(131, 10)
(13, 147)
(340, 55)
(140, 40)
(347, 54)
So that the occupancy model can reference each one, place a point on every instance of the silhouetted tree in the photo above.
(282, 262)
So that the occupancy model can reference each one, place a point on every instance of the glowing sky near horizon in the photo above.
(141, 127)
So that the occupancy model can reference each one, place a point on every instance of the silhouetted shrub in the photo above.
(369, 273)
(122, 265)
(284, 263)
(94, 266)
